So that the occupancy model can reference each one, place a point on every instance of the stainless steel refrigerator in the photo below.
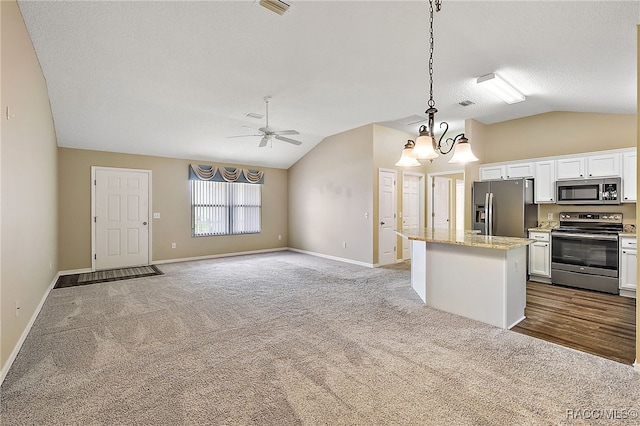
(504, 207)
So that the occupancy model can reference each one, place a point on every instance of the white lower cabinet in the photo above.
(540, 257)
(628, 266)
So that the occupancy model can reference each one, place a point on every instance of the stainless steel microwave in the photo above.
(589, 191)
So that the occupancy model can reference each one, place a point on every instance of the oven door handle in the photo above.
(585, 236)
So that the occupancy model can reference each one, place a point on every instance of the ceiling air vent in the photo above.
(254, 115)
(276, 6)
(466, 103)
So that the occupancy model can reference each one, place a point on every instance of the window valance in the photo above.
(225, 174)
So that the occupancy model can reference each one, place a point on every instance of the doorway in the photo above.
(387, 217)
(445, 200)
(120, 200)
(412, 207)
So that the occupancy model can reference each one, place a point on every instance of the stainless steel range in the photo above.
(584, 251)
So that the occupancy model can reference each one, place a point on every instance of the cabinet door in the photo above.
(492, 172)
(539, 259)
(545, 181)
(629, 167)
(603, 165)
(628, 269)
(520, 170)
(570, 168)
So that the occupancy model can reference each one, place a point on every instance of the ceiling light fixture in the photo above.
(425, 146)
(276, 6)
(500, 88)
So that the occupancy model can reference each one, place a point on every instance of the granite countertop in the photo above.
(628, 231)
(465, 238)
(545, 226)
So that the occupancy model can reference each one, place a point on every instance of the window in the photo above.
(224, 208)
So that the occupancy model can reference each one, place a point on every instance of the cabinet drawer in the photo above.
(630, 243)
(540, 236)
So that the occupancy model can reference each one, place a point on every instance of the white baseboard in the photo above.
(339, 259)
(215, 256)
(636, 365)
(25, 332)
(75, 271)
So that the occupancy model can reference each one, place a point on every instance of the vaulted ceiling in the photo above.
(176, 79)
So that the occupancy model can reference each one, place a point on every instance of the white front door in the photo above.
(441, 202)
(387, 214)
(410, 209)
(120, 217)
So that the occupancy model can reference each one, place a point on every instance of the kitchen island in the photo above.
(476, 276)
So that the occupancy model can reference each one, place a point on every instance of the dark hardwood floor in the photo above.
(597, 323)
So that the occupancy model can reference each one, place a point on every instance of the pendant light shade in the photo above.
(424, 148)
(462, 152)
(408, 158)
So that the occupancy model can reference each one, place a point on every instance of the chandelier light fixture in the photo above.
(426, 147)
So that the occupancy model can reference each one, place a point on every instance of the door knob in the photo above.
(144, 223)
(381, 223)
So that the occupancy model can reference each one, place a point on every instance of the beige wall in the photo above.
(28, 178)
(330, 190)
(170, 198)
(555, 133)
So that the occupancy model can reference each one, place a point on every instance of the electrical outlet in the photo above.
(549, 216)
(279, 236)
(173, 245)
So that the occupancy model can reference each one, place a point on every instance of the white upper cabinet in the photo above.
(545, 181)
(520, 170)
(570, 168)
(604, 165)
(629, 185)
(492, 172)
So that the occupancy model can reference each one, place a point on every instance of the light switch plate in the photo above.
(156, 215)
(549, 216)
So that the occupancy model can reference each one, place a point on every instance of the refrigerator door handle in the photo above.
(490, 226)
(487, 214)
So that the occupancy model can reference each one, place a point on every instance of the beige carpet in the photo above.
(286, 339)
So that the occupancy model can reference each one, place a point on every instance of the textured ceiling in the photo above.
(175, 79)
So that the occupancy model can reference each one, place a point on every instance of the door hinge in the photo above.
(433, 215)
(95, 182)
(394, 215)
(95, 219)
(394, 248)
(95, 256)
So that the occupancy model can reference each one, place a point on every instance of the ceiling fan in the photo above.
(268, 133)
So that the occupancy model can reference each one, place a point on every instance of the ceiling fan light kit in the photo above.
(276, 6)
(426, 147)
(500, 88)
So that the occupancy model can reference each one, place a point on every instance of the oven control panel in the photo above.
(591, 217)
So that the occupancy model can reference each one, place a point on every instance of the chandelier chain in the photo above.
(431, 102)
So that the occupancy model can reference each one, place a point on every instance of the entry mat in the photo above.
(105, 276)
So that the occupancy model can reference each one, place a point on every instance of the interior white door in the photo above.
(121, 218)
(410, 209)
(441, 202)
(459, 204)
(387, 217)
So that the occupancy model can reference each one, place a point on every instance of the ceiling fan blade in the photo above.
(286, 132)
(243, 136)
(293, 141)
(264, 141)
